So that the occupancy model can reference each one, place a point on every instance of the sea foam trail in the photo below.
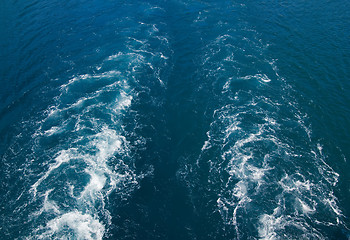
(75, 153)
(272, 178)
(80, 176)
(84, 140)
(267, 179)
(259, 165)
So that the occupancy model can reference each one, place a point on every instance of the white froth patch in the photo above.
(124, 102)
(331, 202)
(271, 226)
(96, 77)
(95, 185)
(63, 157)
(305, 204)
(268, 227)
(240, 190)
(241, 165)
(114, 56)
(256, 173)
(306, 208)
(52, 131)
(81, 220)
(48, 206)
(79, 226)
(260, 155)
(107, 143)
(300, 196)
(227, 84)
(206, 144)
(260, 77)
(80, 213)
(291, 185)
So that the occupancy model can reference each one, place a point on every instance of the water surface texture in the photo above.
(174, 119)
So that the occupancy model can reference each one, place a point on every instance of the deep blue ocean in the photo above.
(178, 119)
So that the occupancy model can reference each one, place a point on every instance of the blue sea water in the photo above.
(174, 119)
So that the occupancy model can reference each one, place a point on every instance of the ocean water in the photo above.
(174, 119)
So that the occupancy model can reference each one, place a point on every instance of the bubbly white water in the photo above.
(84, 134)
(267, 184)
(288, 185)
(92, 151)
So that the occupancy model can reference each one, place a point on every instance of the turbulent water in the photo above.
(175, 119)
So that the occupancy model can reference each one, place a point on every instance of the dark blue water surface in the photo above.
(175, 119)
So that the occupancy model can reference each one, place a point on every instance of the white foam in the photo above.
(114, 56)
(48, 206)
(261, 77)
(267, 230)
(94, 155)
(309, 199)
(63, 157)
(97, 154)
(73, 225)
(331, 202)
(300, 197)
(52, 130)
(306, 208)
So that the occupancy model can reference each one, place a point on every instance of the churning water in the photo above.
(175, 119)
